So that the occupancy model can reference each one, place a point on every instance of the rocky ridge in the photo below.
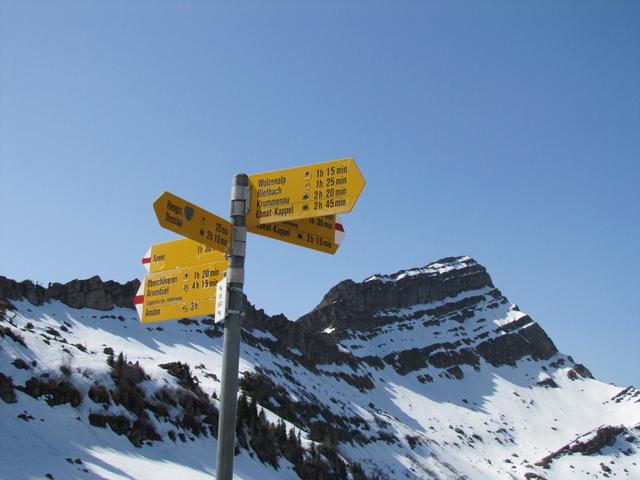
(89, 293)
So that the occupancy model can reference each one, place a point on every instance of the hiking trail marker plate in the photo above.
(180, 253)
(178, 293)
(191, 221)
(318, 233)
(315, 190)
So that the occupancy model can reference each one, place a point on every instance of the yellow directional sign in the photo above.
(193, 222)
(178, 293)
(324, 225)
(181, 253)
(314, 190)
(317, 233)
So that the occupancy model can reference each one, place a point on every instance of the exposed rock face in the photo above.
(314, 346)
(7, 389)
(89, 293)
(629, 394)
(437, 355)
(582, 371)
(509, 348)
(589, 444)
(351, 305)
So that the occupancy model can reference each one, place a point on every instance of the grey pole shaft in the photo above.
(231, 347)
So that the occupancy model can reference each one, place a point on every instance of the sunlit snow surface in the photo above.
(435, 268)
(495, 423)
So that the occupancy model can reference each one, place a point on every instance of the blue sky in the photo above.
(508, 131)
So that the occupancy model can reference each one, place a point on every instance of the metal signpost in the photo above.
(231, 343)
(204, 273)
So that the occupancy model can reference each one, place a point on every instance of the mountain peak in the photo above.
(436, 281)
(438, 267)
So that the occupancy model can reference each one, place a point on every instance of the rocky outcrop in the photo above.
(315, 347)
(7, 389)
(629, 394)
(141, 430)
(589, 444)
(439, 355)
(89, 293)
(507, 349)
(57, 391)
(582, 371)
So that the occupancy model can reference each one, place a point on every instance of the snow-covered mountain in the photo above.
(425, 373)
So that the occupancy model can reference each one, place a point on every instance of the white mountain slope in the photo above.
(428, 373)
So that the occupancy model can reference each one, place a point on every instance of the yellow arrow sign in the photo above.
(193, 222)
(178, 293)
(314, 190)
(181, 253)
(324, 225)
(317, 233)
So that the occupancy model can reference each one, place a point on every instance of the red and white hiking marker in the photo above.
(138, 300)
(339, 231)
(146, 260)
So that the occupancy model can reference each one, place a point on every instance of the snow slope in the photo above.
(42, 441)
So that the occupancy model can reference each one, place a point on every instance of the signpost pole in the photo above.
(231, 347)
